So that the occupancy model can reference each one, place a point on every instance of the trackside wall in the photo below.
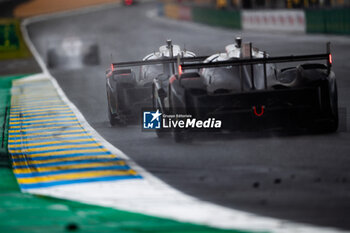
(229, 19)
(327, 21)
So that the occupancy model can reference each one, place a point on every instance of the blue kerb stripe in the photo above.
(19, 136)
(28, 100)
(24, 115)
(57, 150)
(75, 170)
(35, 105)
(46, 122)
(43, 126)
(93, 160)
(28, 97)
(28, 109)
(63, 139)
(55, 144)
(24, 100)
(39, 158)
(34, 97)
(36, 101)
(43, 118)
(43, 130)
(86, 180)
(37, 84)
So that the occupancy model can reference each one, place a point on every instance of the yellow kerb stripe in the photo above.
(49, 133)
(38, 117)
(26, 149)
(34, 97)
(41, 128)
(40, 110)
(70, 118)
(45, 124)
(48, 106)
(47, 143)
(49, 113)
(80, 175)
(19, 103)
(100, 150)
(54, 137)
(67, 167)
(75, 158)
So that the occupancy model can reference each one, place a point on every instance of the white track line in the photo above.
(150, 195)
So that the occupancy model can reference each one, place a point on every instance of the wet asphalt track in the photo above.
(303, 178)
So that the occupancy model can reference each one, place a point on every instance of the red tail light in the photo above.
(128, 2)
(330, 58)
(180, 70)
(112, 67)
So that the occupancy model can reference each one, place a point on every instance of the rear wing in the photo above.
(174, 60)
(265, 60)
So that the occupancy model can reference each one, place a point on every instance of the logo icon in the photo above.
(151, 120)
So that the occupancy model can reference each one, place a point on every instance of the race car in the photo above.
(72, 52)
(244, 89)
(129, 90)
(129, 2)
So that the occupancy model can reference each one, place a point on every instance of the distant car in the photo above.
(72, 52)
(243, 88)
(129, 2)
(129, 90)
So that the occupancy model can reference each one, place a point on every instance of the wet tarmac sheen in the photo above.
(297, 177)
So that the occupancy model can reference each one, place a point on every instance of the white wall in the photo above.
(274, 20)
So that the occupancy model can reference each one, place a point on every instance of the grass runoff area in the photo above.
(24, 212)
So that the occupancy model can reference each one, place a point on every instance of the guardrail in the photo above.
(274, 20)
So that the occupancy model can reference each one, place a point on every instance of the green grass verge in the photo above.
(12, 45)
(23, 212)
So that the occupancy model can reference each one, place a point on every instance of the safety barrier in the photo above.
(223, 18)
(330, 21)
(272, 20)
(230, 19)
(171, 11)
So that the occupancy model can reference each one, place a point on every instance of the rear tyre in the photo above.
(331, 124)
(114, 118)
(111, 117)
